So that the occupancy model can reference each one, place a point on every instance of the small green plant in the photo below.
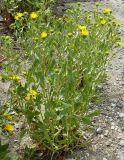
(55, 70)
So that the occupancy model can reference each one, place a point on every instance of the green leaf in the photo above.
(95, 113)
(86, 120)
(4, 152)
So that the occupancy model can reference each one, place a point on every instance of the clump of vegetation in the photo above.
(54, 72)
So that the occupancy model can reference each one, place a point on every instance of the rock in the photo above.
(102, 136)
(121, 115)
(113, 104)
(1, 18)
(121, 143)
(122, 128)
(112, 127)
(104, 159)
(99, 130)
(106, 133)
(113, 124)
(108, 143)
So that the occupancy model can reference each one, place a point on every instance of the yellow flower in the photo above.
(27, 98)
(33, 15)
(119, 43)
(8, 117)
(16, 18)
(59, 19)
(9, 128)
(81, 27)
(103, 22)
(107, 10)
(14, 77)
(119, 24)
(43, 35)
(24, 73)
(114, 35)
(33, 93)
(84, 33)
(18, 15)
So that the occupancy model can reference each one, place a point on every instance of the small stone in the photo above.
(108, 143)
(99, 130)
(113, 104)
(116, 128)
(121, 143)
(106, 133)
(122, 128)
(1, 19)
(113, 124)
(112, 127)
(102, 136)
(104, 159)
(121, 115)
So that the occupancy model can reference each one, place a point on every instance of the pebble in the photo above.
(99, 130)
(113, 123)
(121, 115)
(108, 143)
(104, 159)
(122, 128)
(113, 104)
(106, 133)
(121, 143)
(1, 18)
(112, 127)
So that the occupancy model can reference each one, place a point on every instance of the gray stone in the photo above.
(104, 159)
(106, 133)
(121, 115)
(108, 143)
(113, 104)
(99, 130)
(1, 18)
(122, 128)
(121, 143)
(112, 127)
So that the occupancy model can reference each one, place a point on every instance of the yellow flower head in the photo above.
(8, 117)
(107, 10)
(33, 93)
(119, 44)
(81, 27)
(18, 15)
(84, 33)
(14, 77)
(103, 22)
(119, 24)
(33, 15)
(43, 35)
(27, 98)
(9, 128)
(24, 73)
(114, 35)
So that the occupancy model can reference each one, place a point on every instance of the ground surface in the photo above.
(108, 138)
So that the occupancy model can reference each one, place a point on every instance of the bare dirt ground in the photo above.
(108, 137)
